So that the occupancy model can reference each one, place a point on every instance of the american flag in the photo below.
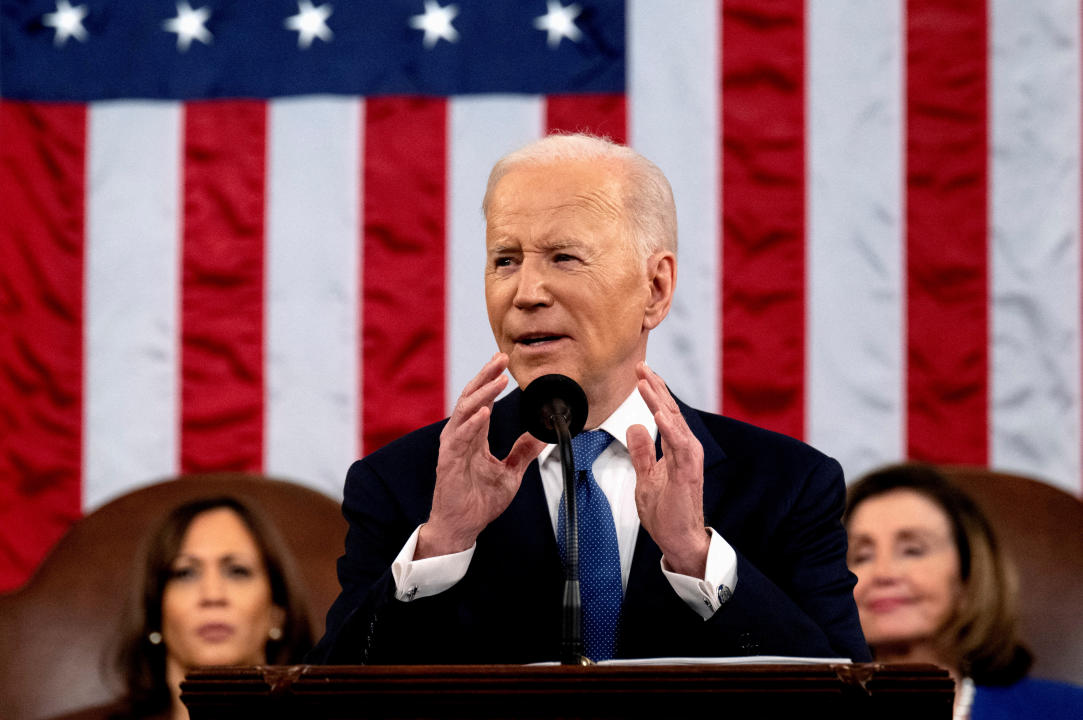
(241, 234)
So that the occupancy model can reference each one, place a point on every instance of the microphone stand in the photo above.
(571, 646)
(553, 408)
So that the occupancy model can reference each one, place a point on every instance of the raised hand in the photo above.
(472, 486)
(669, 491)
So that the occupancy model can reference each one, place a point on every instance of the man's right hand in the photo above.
(472, 486)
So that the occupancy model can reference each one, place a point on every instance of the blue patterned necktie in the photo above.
(599, 558)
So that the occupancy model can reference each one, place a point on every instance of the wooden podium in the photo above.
(600, 691)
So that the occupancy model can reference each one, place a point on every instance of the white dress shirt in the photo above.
(616, 477)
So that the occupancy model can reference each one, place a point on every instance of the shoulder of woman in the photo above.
(1041, 698)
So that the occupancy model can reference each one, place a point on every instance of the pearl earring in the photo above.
(275, 633)
(155, 638)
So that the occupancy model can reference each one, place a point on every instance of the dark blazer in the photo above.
(777, 501)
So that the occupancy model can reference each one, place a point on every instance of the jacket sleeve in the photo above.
(806, 604)
(794, 592)
(801, 600)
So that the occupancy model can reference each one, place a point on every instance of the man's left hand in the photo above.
(669, 491)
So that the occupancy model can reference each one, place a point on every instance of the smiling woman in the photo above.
(902, 549)
(934, 586)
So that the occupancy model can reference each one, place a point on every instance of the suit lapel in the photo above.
(713, 458)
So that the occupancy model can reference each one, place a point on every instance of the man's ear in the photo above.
(662, 281)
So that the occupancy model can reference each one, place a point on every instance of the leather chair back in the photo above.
(58, 632)
(1041, 528)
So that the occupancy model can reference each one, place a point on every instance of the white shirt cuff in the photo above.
(706, 595)
(416, 579)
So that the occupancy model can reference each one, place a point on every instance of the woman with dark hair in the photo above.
(217, 588)
(933, 586)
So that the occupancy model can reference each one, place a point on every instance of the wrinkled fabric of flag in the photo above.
(241, 235)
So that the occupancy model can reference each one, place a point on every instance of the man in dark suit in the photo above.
(729, 536)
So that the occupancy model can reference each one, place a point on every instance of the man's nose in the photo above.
(532, 289)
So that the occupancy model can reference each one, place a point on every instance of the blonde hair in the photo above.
(981, 637)
(648, 203)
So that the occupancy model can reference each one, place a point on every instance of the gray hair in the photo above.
(648, 199)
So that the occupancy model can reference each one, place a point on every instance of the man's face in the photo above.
(563, 286)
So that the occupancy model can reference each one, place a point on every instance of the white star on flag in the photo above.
(436, 22)
(67, 21)
(559, 21)
(189, 25)
(310, 23)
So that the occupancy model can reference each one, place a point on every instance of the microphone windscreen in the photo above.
(551, 395)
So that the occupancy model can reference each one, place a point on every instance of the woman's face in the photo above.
(217, 609)
(903, 553)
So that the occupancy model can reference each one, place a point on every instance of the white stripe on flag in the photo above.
(313, 266)
(673, 110)
(480, 131)
(855, 362)
(131, 325)
(1035, 256)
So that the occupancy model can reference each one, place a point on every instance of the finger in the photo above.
(683, 453)
(482, 396)
(495, 365)
(646, 390)
(654, 391)
(673, 428)
(479, 433)
(462, 440)
(674, 431)
(663, 399)
(490, 371)
(678, 441)
(641, 451)
(523, 452)
(650, 488)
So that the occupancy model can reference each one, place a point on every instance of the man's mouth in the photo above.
(538, 340)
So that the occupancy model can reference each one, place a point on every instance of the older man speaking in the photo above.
(700, 535)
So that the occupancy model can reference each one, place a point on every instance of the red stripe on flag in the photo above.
(605, 115)
(946, 217)
(404, 258)
(763, 203)
(223, 286)
(42, 186)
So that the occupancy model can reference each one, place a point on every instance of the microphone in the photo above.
(554, 409)
(548, 398)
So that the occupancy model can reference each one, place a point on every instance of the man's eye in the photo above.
(502, 262)
(564, 257)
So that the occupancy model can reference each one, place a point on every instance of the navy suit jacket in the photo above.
(777, 501)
